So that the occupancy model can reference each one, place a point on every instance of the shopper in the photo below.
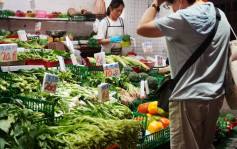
(111, 28)
(198, 96)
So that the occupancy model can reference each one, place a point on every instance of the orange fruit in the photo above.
(155, 126)
(165, 121)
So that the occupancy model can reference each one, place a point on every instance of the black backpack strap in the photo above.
(201, 49)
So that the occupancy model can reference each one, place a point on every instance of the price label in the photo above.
(103, 91)
(61, 63)
(38, 26)
(147, 87)
(142, 86)
(74, 59)
(8, 52)
(70, 45)
(100, 58)
(147, 47)
(159, 61)
(111, 70)
(50, 83)
(22, 35)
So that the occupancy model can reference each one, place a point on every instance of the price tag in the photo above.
(50, 83)
(147, 87)
(70, 44)
(103, 91)
(147, 47)
(159, 61)
(38, 26)
(133, 42)
(142, 85)
(100, 58)
(22, 35)
(111, 70)
(61, 63)
(8, 52)
(74, 59)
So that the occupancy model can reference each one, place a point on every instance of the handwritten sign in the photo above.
(100, 58)
(111, 70)
(50, 83)
(159, 61)
(8, 52)
(61, 63)
(103, 91)
(147, 47)
(22, 35)
(38, 26)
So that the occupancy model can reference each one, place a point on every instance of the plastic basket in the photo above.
(13, 63)
(34, 62)
(51, 64)
(154, 139)
(41, 13)
(38, 105)
(3, 14)
(80, 71)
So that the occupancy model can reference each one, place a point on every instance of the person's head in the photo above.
(180, 4)
(115, 8)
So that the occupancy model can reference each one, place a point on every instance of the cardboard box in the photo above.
(58, 45)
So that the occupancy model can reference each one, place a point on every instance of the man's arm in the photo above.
(146, 27)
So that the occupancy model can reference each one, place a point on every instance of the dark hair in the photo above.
(114, 4)
(189, 1)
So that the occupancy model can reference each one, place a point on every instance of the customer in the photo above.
(111, 28)
(198, 96)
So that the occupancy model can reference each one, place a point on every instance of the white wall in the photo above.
(133, 12)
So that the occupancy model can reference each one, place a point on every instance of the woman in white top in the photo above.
(111, 28)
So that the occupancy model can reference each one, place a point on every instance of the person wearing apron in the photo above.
(111, 29)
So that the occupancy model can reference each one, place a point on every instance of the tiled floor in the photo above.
(225, 109)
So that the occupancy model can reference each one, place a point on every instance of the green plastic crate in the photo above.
(152, 140)
(48, 121)
(4, 14)
(8, 78)
(96, 69)
(38, 105)
(81, 71)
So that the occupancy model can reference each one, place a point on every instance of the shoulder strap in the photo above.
(199, 51)
(108, 24)
(122, 24)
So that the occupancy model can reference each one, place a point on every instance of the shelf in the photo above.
(41, 19)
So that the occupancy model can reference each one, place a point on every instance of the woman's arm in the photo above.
(103, 41)
(146, 27)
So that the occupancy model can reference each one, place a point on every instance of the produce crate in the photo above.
(96, 69)
(154, 139)
(13, 63)
(35, 62)
(69, 62)
(51, 64)
(48, 121)
(83, 17)
(38, 105)
(79, 71)
(8, 78)
(4, 14)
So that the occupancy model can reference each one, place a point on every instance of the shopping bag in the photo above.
(230, 83)
(164, 91)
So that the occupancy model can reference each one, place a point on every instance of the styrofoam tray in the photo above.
(17, 68)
